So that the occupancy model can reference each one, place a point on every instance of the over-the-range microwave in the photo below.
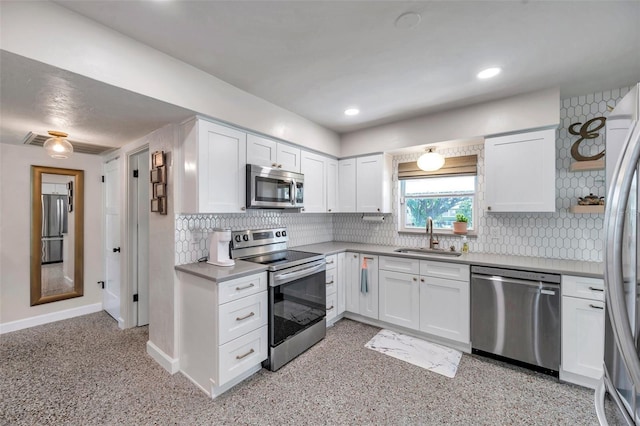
(269, 188)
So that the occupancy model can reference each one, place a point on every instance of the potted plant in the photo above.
(460, 225)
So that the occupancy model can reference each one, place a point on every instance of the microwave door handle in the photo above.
(292, 192)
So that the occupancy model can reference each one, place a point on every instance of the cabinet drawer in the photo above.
(242, 316)
(332, 280)
(241, 287)
(399, 264)
(452, 271)
(583, 287)
(241, 354)
(332, 261)
(332, 306)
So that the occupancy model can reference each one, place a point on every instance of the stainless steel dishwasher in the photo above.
(515, 316)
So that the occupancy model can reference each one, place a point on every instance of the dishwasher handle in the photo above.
(544, 285)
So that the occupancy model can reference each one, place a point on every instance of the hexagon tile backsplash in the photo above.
(560, 235)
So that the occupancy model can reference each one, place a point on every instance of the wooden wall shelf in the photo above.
(587, 209)
(583, 166)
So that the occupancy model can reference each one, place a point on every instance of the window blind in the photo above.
(453, 166)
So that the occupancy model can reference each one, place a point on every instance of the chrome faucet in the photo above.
(433, 242)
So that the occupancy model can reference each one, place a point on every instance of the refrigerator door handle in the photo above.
(615, 211)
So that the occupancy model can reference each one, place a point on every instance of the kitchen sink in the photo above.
(427, 251)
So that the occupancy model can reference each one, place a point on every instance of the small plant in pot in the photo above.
(460, 225)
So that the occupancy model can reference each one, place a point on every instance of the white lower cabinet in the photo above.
(331, 288)
(582, 330)
(358, 301)
(399, 299)
(341, 288)
(444, 300)
(223, 330)
(352, 282)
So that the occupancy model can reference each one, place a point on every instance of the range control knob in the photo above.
(284, 233)
(237, 238)
(245, 237)
(277, 233)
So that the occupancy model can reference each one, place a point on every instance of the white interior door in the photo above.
(139, 231)
(112, 251)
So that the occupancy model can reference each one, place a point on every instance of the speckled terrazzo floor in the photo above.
(86, 371)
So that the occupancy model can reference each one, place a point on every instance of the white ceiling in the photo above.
(317, 58)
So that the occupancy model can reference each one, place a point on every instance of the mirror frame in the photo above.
(36, 230)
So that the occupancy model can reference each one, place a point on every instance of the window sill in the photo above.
(445, 233)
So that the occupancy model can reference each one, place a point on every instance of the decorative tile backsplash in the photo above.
(561, 235)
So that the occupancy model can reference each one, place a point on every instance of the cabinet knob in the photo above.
(279, 166)
(355, 255)
(489, 208)
(243, 208)
(274, 164)
(329, 209)
(421, 280)
(415, 279)
(378, 209)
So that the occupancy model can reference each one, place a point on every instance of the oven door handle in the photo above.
(290, 276)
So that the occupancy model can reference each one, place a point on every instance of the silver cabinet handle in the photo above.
(330, 308)
(596, 289)
(245, 317)
(368, 258)
(245, 287)
(330, 282)
(330, 263)
(245, 355)
(595, 306)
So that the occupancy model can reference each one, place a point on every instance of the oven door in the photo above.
(272, 188)
(296, 304)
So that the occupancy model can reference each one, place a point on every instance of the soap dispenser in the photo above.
(465, 245)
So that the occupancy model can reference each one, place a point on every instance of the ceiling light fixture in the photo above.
(57, 146)
(488, 73)
(430, 161)
(351, 111)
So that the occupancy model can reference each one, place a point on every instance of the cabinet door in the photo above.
(399, 299)
(332, 186)
(582, 336)
(288, 158)
(373, 184)
(261, 151)
(341, 293)
(352, 282)
(222, 154)
(369, 300)
(347, 191)
(314, 170)
(444, 308)
(520, 172)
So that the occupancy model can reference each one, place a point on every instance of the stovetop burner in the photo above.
(284, 258)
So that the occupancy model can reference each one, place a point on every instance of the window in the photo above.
(440, 198)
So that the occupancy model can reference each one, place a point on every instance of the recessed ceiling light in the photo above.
(488, 73)
(351, 111)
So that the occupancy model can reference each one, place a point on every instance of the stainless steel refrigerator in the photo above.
(54, 225)
(621, 378)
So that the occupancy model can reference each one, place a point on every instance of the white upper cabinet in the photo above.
(213, 169)
(520, 172)
(269, 153)
(373, 184)
(332, 186)
(347, 191)
(314, 169)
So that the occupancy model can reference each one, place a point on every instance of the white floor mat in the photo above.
(436, 358)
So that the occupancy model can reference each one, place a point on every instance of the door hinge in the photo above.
(102, 178)
(101, 283)
(135, 297)
(135, 173)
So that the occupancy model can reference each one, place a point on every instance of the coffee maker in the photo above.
(219, 241)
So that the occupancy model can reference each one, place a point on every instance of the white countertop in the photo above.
(555, 266)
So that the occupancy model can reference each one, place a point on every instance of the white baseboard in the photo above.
(172, 365)
(8, 327)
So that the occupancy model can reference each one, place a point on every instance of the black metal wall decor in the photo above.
(586, 132)
(158, 177)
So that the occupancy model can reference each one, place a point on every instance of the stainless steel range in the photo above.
(297, 291)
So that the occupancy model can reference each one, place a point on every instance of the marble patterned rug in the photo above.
(436, 358)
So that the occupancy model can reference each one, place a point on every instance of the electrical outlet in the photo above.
(494, 232)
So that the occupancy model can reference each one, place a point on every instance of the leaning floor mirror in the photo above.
(57, 234)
